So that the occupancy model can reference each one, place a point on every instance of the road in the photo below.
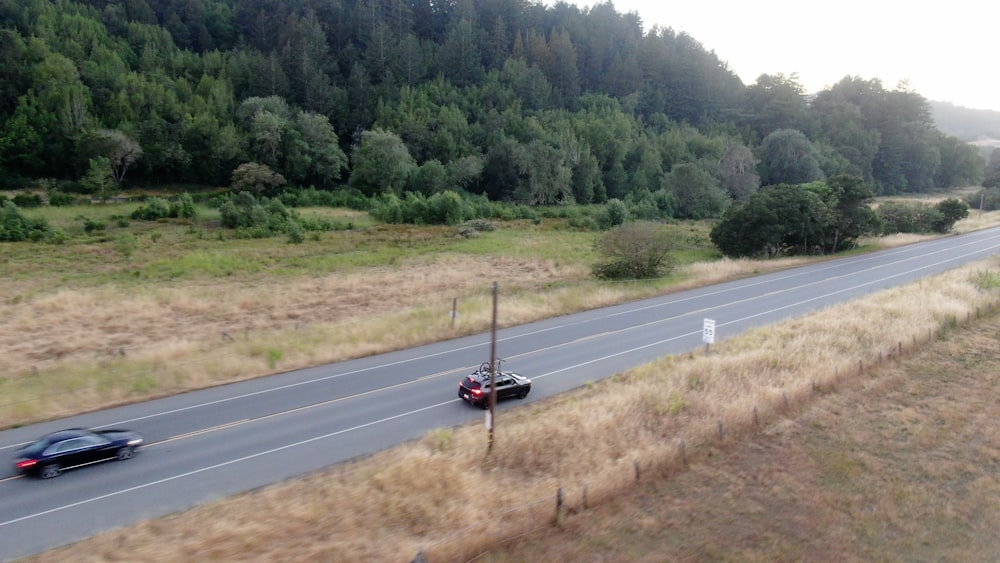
(209, 444)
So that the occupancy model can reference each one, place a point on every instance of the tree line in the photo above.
(511, 99)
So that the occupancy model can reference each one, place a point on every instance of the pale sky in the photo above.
(948, 51)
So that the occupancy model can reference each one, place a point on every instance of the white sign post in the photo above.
(708, 332)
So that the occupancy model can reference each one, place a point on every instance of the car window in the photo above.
(66, 446)
(93, 440)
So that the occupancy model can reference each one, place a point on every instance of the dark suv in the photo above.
(475, 388)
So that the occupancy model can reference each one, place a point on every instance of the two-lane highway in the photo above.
(221, 441)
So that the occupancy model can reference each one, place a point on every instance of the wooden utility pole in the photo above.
(491, 421)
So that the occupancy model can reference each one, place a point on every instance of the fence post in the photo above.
(585, 496)
(684, 454)
(559, 506)
(637, 472)
(722, 433)
(756, 418)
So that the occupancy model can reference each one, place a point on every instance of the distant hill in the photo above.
(974, 125)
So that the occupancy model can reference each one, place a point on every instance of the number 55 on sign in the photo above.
(708, 332)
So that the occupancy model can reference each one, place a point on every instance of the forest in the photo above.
(508, 99)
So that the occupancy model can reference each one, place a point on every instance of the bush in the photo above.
(15, 227)
(26, 200)
(634, 251)
(916, 218)
(263, 218)
(184, 207)
(157, 208)
(61, 199)
(615, 214)
(311, 197)
(90, 226)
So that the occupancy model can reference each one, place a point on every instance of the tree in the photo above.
(788, 157)
(121, 151)
(382, 163)
(738, 168)
(320, 150)
(776, 102)
(548, 177)
(696, 192)
(634, 251)
(961, 164)
(992, 172)
(952, 210)
(429, 178)
(849, 198)
(257, 179)
(777, 220)
(99, 179)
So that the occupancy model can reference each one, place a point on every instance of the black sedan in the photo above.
(475, 388)
(53, 453)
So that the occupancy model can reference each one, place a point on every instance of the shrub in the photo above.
(917, 218)
(253, 218)
(15, 227)
(156, 208)
(295, 234)
(25, 200)
(61, 199)
(184, 207)
(90, 226)
(634, 251)
(311, 197)
(615, 214)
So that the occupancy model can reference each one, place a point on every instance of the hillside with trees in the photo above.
(511, 99)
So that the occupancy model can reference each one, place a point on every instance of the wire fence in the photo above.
(515, 522)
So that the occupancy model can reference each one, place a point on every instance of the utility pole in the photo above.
(491, 421)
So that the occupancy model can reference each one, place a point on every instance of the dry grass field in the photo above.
(863, 432)
(87, 327)
(902, 466)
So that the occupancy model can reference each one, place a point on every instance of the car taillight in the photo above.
(477, 392)
(26, 463)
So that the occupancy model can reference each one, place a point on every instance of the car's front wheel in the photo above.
(50, 471)
(522, 394)
(128, 452)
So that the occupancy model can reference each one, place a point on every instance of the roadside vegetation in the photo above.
(633, 436)
(122, 308)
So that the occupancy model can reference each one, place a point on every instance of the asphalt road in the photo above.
(210, 444)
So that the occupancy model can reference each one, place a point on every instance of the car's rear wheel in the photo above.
(128, 452)
(50, 471)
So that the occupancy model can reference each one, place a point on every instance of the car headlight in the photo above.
(135, 442)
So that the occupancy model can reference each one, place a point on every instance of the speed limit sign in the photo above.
(708, 332)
